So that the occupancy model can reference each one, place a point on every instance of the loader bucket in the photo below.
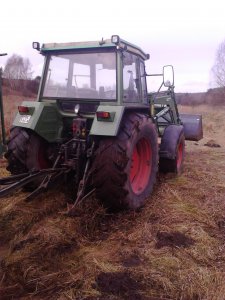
(193, 129)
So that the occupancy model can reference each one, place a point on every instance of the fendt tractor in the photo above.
(95, 126)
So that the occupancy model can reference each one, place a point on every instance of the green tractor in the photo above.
(95, 122)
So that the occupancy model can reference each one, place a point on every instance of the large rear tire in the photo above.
(125, 167)
(26, 152)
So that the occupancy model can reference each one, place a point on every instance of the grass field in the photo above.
(173, 248)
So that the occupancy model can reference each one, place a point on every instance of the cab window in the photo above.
(143, 82)
(131, 86)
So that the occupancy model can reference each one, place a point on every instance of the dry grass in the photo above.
(213, 120)
(171, 249)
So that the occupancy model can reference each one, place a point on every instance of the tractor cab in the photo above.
(110, 71)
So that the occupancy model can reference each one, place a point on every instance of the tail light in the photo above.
(23, 109)
(105, 116)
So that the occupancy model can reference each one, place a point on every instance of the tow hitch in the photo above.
(13, 183)
(63, 165)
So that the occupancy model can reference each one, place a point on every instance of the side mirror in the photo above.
(168, 76)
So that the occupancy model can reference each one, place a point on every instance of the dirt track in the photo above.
(171, 249)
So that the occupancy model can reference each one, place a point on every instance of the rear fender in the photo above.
(108, 127)
(111, 126)
(169, 140)
(43, 118)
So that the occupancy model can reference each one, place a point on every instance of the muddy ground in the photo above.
(173, 248)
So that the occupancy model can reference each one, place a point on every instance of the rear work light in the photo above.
(105, 116)
(23, 109)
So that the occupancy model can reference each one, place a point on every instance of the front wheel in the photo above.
(125, 167)
(174, 165)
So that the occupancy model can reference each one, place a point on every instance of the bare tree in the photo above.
(17, 70)
(218, 70)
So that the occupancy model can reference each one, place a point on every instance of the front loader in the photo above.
(95, 126)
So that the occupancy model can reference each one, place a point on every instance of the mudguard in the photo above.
(105, 127)
(41, 117)
(169, 141)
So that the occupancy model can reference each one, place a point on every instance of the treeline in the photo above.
(29, 88)
(17, 76)
(26, 87)
(214, 96)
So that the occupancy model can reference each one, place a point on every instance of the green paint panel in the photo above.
(108, 128)
(45, 120)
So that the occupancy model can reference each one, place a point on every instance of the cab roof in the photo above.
(114, 42)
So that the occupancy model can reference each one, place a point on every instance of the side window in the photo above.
(143, 82)
(131, 90)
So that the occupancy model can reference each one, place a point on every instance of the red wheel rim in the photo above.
(141, 166)
(179, 155)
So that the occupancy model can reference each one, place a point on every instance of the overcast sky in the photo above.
(185, 34)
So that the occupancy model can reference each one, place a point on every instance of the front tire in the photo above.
(174, 165)
(125, 167)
